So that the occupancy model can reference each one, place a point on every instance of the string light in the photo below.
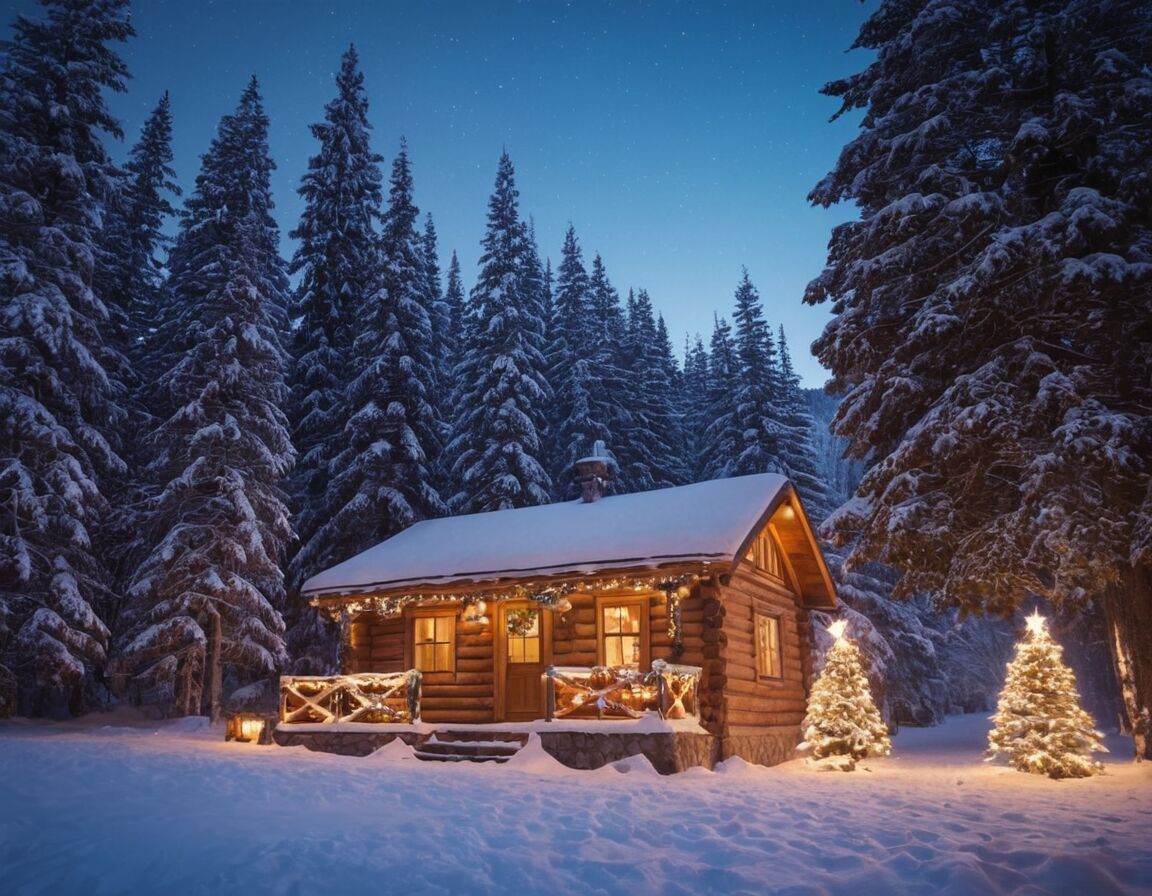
(550, 596)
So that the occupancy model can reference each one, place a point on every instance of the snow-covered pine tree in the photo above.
(134, 237)
(721, 441)
(382, 479)
(993, 308)
(338, 263)
(133, 280)
(211, 588)
(454, 300)
(573, 372)
(1039, 722)
(502, 389)
(842, 720)
(648, 450)
(758, 392)
(694, 406)
(797, 451)
(60, 400)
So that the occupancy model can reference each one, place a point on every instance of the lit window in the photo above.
(622, 633)
(764, 555)
(768, 659)
(434, 640)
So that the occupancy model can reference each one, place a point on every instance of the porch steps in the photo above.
(471, 746)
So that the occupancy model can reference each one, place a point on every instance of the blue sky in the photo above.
(680, 139)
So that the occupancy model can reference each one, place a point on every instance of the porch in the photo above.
(594, 716)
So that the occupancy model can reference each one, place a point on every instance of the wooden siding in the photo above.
(750, 699)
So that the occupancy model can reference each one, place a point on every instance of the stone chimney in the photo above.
(594, 473)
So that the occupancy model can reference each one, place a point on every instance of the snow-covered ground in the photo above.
(115, 805)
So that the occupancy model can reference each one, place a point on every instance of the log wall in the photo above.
(751, 700)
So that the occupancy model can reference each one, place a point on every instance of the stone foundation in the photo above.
(345, 743)
(668, 753)
(762, 746)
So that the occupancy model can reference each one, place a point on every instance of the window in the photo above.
(764, 555)
(623, 629)
(768, 659)
(434, 643)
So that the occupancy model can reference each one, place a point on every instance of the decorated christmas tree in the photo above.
(843, 722)
(1039, 722)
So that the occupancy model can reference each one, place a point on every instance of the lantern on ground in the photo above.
(248, 727)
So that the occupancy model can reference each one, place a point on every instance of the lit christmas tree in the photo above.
(843, 723)
(1039, 722)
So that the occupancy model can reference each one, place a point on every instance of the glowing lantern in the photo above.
(248, 727)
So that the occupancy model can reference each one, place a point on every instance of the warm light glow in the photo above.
(250, 729)
(1036, 623)
(788, 512)
(836, 629)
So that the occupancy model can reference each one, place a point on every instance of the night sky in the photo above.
(680, 139)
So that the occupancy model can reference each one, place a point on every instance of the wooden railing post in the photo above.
(549, 694)
(414, 684)
(658, 666)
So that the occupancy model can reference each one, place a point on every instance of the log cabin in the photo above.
(579, 620)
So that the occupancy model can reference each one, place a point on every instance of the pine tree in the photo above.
(61, 402)
(132, 243)
(338, 263)
(758, 391)
(723, 434)
(647, 450)
(842, 719)
(211, 588)
(694, 406)
(383, 477)
(573, 371)
(797, 451)
(502, 387)
(993, 308)
(134, 237)
(1039, 722)
(454, 301)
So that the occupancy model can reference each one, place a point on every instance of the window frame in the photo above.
(764, 660)
(644, 603)
(765, 555)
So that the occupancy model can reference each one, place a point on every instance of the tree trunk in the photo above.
(214, 676)
(1128, 609)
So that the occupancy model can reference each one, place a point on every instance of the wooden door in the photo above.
(524, 633)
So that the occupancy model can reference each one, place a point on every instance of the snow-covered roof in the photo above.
(707, 522)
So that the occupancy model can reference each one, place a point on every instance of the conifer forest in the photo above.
(199, 411)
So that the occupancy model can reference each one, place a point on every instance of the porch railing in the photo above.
(368, 697)
(621, 692)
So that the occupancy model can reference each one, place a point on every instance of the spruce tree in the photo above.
(758, 389)
(648, 449)
(797, 450)
(694, 406)
(993, 308)
(1039, 722)
(338, 261)
(61, 402)
(722, 436)
(842, 720)
(573, 371)
(383, 477)
(133, 240)
(211, 588)
(134, 236)
(503, 391)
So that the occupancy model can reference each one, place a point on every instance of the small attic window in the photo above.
(765, 556)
